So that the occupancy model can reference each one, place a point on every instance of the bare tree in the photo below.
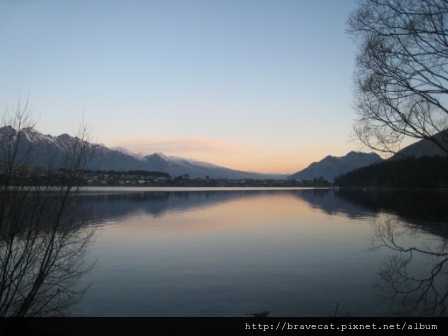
(401, 92)
(43, 233)
(401, 78)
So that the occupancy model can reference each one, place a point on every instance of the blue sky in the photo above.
(253, 85)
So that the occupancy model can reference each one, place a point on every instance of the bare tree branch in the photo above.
(401, 78)
(43, 228)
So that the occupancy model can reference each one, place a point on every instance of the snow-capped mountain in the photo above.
(176, 166)
(128, 152)
(48, 148)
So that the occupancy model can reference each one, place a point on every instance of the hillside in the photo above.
(425, 147)
(421, 172)
(332, 166)
(420, 165)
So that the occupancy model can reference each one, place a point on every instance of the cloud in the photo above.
(180, 146)
(246, 156)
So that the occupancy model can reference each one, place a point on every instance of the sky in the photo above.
(254, 85)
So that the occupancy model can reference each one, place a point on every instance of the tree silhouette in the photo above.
(401, 78)
(401, 87)
(43, 238)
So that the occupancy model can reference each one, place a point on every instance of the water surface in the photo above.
(227, 252)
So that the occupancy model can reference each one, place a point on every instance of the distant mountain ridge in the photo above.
(420, 165)
(332, 166)
(425, 147)
(48, 147)
(122, 159)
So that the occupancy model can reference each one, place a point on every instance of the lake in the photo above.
(228, 252)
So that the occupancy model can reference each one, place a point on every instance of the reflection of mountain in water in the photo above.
(424, 212)
(329, 202)
(107, 206)
(352, 203)
(110, 206)
(425, 209)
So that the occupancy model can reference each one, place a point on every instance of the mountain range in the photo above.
(120, 159)
(332, 166)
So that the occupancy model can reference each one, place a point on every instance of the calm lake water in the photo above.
(228, 252)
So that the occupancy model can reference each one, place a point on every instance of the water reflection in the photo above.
(413, 278)
(229, 252)
(159, 203)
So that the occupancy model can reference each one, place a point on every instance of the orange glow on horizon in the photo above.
(233, 155)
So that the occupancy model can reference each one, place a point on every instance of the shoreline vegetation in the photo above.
(424, 172)
(37, 176)
(407, 173)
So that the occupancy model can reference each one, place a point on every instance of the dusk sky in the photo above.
(252, 85)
